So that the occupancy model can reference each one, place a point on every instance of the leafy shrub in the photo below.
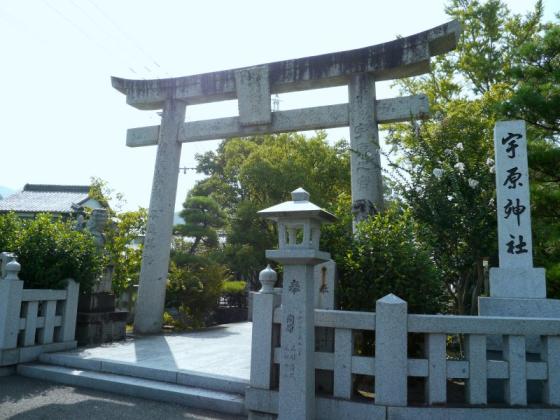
(234, 287)
(386, 257)
(126, 258)
(194, 289)
(234, 293)
(10, 229)
(50, 252)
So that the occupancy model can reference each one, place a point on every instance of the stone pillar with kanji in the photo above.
(517, 288)
(515, 277)
(299, 229)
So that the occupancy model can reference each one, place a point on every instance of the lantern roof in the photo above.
(300, 206)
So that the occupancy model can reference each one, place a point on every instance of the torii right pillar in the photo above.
(365, 161)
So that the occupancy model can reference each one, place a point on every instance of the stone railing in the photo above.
(392, 364)
(34, 321)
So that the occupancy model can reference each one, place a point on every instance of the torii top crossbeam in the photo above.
(403, 57)
(252, 86)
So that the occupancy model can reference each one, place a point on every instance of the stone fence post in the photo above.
(262, 343)
(391, 351)
(70, 311)
(11, 291)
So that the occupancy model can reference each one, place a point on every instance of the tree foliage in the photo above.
(123, 246)
(50, 251)
(202, 216)
(444, 164)
(11, 227)
(193, 289)
(385, 257)
(246, 175)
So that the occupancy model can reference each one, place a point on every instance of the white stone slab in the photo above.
(253, 95)
(518, 282)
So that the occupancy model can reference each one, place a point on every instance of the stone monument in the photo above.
(358, 69)
(299, 229)
(516, 287)
(98, 321)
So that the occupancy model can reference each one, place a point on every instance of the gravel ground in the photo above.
(32, 399)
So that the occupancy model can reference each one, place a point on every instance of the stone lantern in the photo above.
(299, 230)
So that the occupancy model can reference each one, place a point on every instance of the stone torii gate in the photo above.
(252, 86)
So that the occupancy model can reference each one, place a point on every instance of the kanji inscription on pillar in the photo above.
(515, 277)
(512, 190)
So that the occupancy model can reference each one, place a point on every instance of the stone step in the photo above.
(180, 377)
(222, 402)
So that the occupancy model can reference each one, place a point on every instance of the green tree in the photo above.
(11, 228)
(248, 174)
(444, 163)
(110, 199)
(535, 79)
(194, 289)
(123, 235)
(203, 217)
(123, 245)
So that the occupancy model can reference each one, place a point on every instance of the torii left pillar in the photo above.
(155, 257)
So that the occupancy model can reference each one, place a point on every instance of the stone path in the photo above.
(222, 350)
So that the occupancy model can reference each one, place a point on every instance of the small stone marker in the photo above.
(516, 277)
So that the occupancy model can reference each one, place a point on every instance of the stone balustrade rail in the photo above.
(392, 366)
(34, 321)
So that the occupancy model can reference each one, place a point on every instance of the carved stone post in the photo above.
(11, 289)
(299, 230)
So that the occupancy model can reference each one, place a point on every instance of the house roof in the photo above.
(37, 198)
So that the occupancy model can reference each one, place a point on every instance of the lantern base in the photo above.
(298, 256)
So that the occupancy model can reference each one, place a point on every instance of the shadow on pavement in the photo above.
(23, 398)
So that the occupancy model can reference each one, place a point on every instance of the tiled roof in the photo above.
(37, 198)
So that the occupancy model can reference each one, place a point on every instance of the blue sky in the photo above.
(61, 120)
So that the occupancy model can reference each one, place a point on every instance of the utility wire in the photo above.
(96, 23)
(86, 35)
(125, 35)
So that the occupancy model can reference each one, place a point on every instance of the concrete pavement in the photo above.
(30, 399)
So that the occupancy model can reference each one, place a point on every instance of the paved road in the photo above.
(31, 399)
